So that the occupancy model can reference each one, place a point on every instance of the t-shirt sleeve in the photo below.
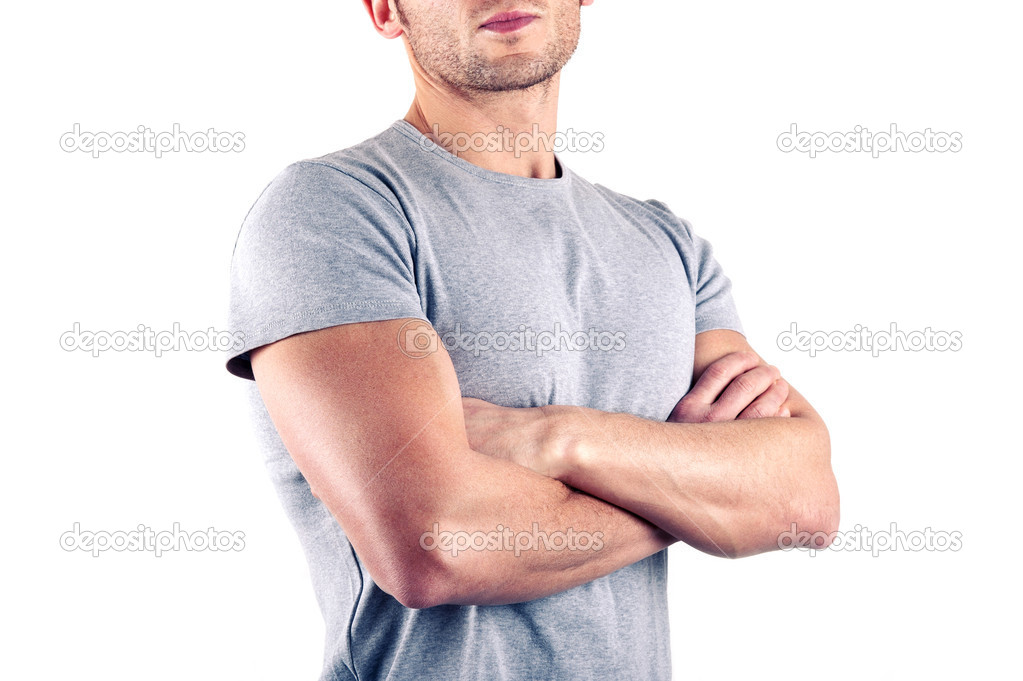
(715, 306)
(319, 248)
(712, 289)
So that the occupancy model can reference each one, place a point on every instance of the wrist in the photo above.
(564, 441)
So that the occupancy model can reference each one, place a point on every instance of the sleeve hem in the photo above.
(711, 323)
(314, 320)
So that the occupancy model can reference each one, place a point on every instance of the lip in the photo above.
(506, 22)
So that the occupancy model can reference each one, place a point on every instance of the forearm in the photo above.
(492, 532)
(726, 488)
(380, 438)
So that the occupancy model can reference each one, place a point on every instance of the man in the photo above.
(474, 378)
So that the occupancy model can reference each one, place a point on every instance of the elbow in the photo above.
(822, 504)
(804, 512)
(406, 559)
(809, 519)
(829, 511)
(429, 582)
(817, 508)
(418, 594)
(417, 578)
(813, 522)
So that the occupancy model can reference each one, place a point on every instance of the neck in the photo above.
(512, 132)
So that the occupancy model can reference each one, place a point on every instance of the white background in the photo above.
(690, 98)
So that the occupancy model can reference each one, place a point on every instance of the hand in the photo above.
(736, 386)
(521, 436)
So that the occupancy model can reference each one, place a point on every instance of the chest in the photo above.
(593, 310)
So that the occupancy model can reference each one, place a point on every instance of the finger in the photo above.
(769, 404)
(744, 390)
(719, 374)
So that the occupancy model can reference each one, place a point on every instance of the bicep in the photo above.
(375, 432)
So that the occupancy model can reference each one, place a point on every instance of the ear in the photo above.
(385, 17)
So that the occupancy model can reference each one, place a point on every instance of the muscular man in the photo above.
(491, 393)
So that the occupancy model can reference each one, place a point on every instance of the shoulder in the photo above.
(359, 181)
(650, 211)
(370, 166)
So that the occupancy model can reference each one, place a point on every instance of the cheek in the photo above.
(566, 25)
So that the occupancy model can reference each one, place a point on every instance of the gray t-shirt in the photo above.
(544, 292)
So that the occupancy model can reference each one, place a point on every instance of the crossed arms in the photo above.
(388, 444)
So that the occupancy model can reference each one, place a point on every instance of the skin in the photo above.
(472, 80)
(742, 456)
(392, 449)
